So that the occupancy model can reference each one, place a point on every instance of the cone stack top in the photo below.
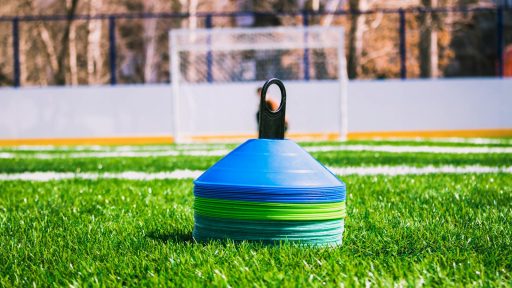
(270, 161)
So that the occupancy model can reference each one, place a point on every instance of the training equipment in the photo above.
(270, 190)
(214, 70)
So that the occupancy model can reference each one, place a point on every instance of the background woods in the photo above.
(76, 51)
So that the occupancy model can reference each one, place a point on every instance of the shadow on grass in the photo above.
(172, 237)
(175, 237)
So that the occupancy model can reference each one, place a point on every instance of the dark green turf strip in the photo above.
(336, 159)
(146, 164)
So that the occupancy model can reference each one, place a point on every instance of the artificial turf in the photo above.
(440, 229)
(169, 163)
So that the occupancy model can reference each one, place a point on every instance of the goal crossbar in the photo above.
(282, 38)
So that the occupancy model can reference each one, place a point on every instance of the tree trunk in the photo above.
(356, 34)
(49, 70)
(72, 50)
(321, 64)
(23, 55)
(42, 65)
(94, 56)
(192, 56)
(428, 43)
(50, 48)
(60, 78)
(150, 44)
(331, 5)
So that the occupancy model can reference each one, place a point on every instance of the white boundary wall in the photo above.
(444, 104)
(95, 111)
(145, 110)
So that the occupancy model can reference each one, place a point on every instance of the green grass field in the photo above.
(438, 229)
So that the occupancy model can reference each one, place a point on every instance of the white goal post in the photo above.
(214, 73)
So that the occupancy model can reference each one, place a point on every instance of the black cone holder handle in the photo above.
(272, 123)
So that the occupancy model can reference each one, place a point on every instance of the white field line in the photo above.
(481, 141)
(120, 148)
(114, 154)
(126, 148)
(192, 174)
(411, 149)
(47, 176)
(222, 152)
(411, 170)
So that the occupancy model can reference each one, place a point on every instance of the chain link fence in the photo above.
(133, 48)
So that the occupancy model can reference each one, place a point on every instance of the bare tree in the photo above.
(357, 27)
(150, 44)
(61, 73)
(331, 5)
(72, 49)
(43, 32)
(428, 42)
(320, 63)
(94, 55)
(50, 48)
(190, 6)
(24, 58)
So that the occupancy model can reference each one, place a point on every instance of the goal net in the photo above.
(215, 74)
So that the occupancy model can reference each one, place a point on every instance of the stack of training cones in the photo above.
(270, 190)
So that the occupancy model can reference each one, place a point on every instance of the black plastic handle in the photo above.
(272, 123)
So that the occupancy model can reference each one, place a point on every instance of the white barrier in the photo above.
(228, 109)
(85, 112)
(419, 105)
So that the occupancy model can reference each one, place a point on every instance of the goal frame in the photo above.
(175, 74)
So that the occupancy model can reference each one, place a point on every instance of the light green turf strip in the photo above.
(31, 149)
(234, 209)
(445, 142)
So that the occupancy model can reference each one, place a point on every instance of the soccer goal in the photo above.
(215, 74)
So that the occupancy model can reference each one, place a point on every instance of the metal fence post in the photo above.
(403, 59)
(16, 51)
(112, 48)
(305, 59)
(208, 25)
(499, 38)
